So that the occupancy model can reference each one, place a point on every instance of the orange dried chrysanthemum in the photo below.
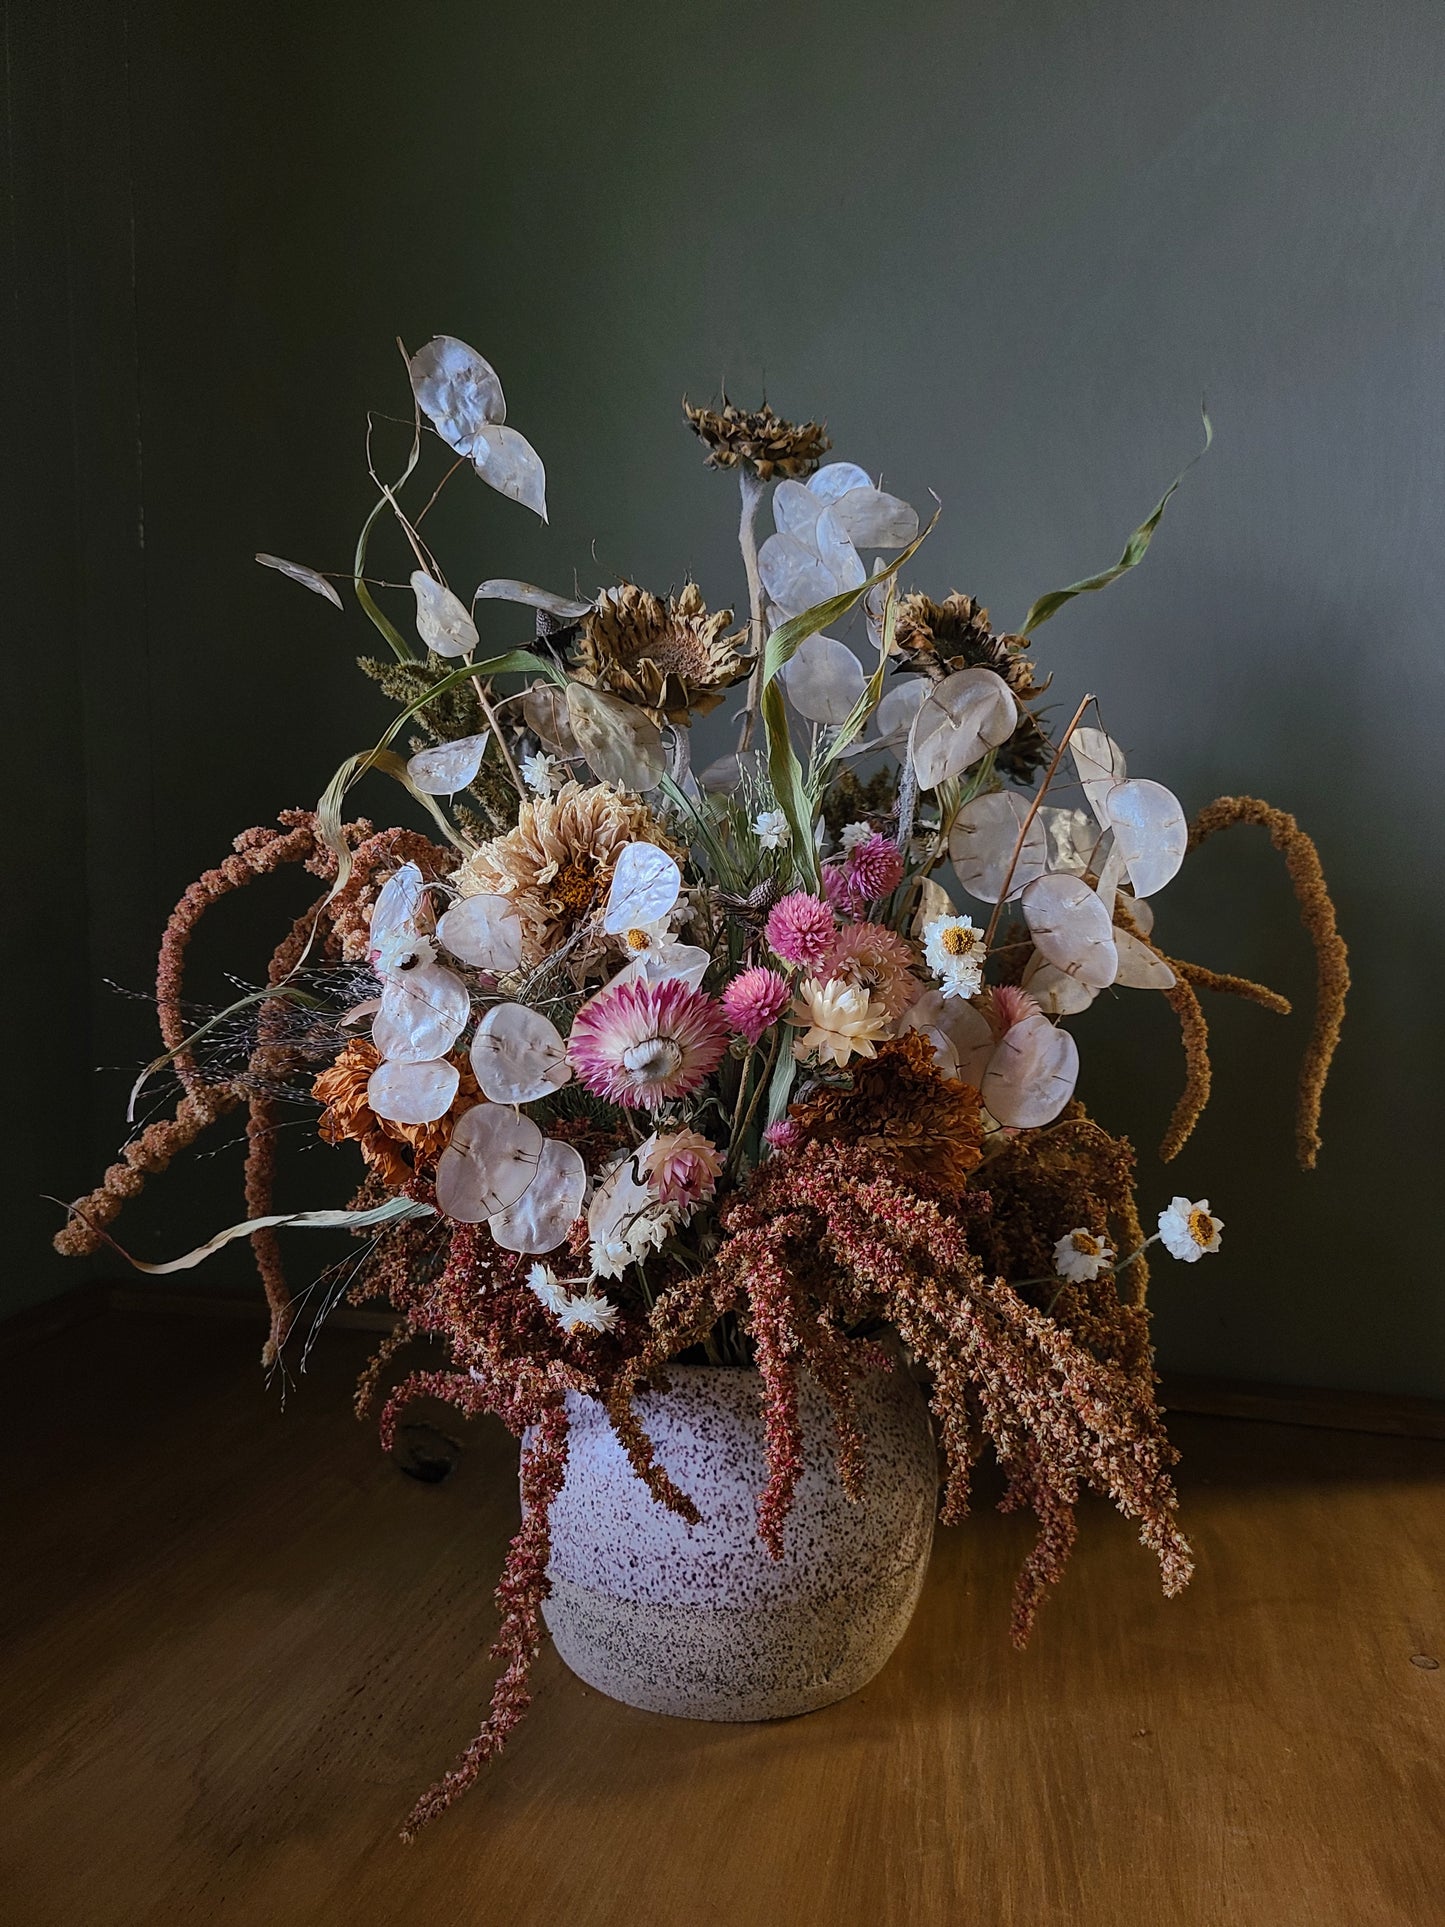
(341, 1087)
(901, 1108)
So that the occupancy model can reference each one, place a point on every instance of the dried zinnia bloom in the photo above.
(643, 1044)
(556, 865)
(765, 441)
(668, 656)
(938, 638)
(899, 1107)
(341, 1088)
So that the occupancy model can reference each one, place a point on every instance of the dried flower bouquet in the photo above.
(746, 1065)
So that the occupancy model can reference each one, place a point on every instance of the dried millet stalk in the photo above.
(1317, 913)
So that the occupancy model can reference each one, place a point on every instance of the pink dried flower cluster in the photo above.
(872, 870)
(755, 1000)
(684, 1167)
(801, 929)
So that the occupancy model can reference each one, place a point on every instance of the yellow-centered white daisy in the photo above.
(1188, 1230)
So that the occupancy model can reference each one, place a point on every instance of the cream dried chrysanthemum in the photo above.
(839, 1020)
(556, 865)
(1188, 1231)
(1079, 1256)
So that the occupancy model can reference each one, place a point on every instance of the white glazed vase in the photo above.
(700, 1621)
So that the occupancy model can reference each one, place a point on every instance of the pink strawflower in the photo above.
(880, 960)
(1006, 1005)
(801, 929)
(872, 870)
(755, 1000)
(683, 1167)
(641, 1044)
(785, 1135)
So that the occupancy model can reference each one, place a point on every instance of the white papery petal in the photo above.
(795, 510)
(793, 574)
(484, 931)
(503, 588)
(308, 578)
(622, 1196)
(933, 902)
(449, 767)
(518, 1055)
(1143, 914)
(398, 904)
(507, 462)
(1111, 873)
(838, 478)
(839, 557)
(872, 519)
(893, 718)
(982, 841)
(1151, 830)
(442, 621)
(1056, 993)
(456, 389)
(969, 712)
(645, 886)
(552, 1203)
(489, 1164)
(622, 745)
(407, 1093)
(824, 680)
(1073, 836)
(423, 1013)
(1100, 763)
(1031, 1074)
(1140, 967)
(1072, 929)
(544, 706)
(663, 962)
(965, 1028)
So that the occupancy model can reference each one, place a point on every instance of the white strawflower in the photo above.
(953, 949)
(852, 835)
(1079, 1256)
(1188, 1230)
(770, 827)
(548, 1287)
(542, 772)
(587, 1312)
(839, 1020)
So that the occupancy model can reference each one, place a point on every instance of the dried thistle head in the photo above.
(669, 656)
(763, 440)
(937, 638)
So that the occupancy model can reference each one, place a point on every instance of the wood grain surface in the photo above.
(238, 1641)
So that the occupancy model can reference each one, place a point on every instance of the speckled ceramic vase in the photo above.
(699, 1621)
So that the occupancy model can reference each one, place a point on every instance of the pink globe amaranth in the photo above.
(801, 928)
(755, 1000)
(641, 1044)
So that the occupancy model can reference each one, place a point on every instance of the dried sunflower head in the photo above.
(671, 657)
(899, 1108)
(765, 441)
(937, 638)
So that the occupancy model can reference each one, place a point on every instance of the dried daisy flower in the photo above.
(557, 864)
(763, 440)
(938, 638)
(1079, 1256)
(642, 1044)
(670, 656)
(839, 1020)
(771, 829)
(953, 949)
(542, 772)
(880, 960)
(1188, 1231)
(755, 1000)
(801, 929)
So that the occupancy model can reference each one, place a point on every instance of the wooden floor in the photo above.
(238, 1641)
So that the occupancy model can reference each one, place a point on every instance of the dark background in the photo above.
(1003, 248)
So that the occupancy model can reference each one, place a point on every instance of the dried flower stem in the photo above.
(750, 489)
(1032, 812)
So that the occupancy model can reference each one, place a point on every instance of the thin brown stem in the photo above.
(1033, 811)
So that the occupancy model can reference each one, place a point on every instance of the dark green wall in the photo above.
(1003, 248)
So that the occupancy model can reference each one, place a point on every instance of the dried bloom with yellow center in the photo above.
(839, 1020)
(341, 1088)
(899, 1108)
(1188, 1230)
(556, 865)
(765, 441)
(1079, 1256)
(670, 656)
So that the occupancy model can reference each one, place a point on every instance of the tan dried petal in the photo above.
(765, 441)
(670, 656)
